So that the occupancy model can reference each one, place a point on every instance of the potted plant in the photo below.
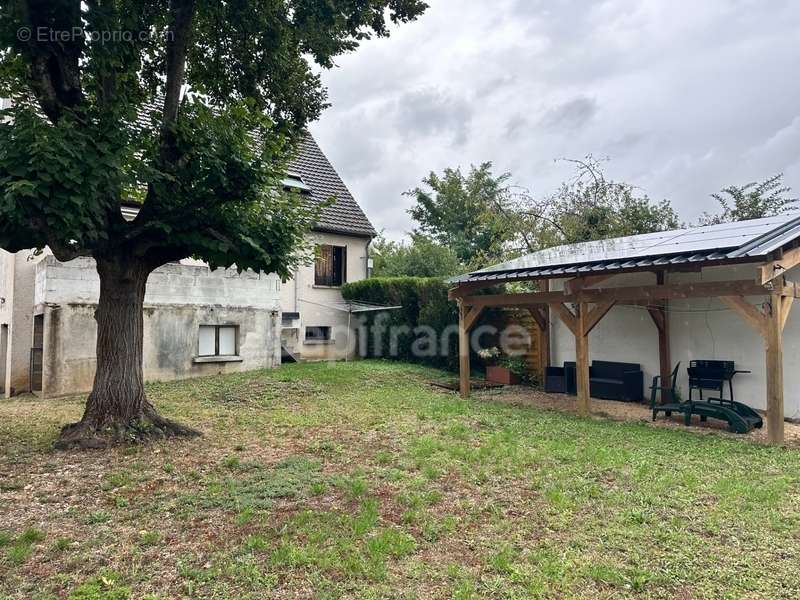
(506, 370)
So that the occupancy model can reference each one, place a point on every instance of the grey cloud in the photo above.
(681, 109)
(517, 125)
(428, 112)
(570, 115)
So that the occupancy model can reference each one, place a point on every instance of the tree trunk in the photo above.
(117, 409)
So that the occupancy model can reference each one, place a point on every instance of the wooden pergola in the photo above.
(584, 301)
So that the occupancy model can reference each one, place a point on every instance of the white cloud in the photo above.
(685, 97)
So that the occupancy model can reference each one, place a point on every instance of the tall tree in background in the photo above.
(586, 207)
(100, 116)
(751, 201)
(591, 207)
(422, 257)
(458, 211)
(485, 220)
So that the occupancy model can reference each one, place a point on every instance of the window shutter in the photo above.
(207, 345)
(227, 341)
(323, 266)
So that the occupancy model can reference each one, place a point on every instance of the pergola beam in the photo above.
(779, 266)
(582, 359)
(472, 316)
(774, 343)
(660, 317)
(463, 350)
(598, 312)
(566, 315)
(786, 309)
(752, 315)
(673, 291)
(575, 285)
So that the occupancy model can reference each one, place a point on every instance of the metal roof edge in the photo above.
(770, 241)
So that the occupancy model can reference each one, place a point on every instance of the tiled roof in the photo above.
(344, 215)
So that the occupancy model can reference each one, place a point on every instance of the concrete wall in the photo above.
(179, 299)
(16, 290)
(314, 302)
(6, 299)
(699, 329)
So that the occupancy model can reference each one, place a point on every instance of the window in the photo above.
(318, 334)
(288, 318)
(294, 181)
(330, 268)
(218, 340)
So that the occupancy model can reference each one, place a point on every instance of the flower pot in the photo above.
(501, 375)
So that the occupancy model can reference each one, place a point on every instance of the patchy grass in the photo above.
(361, 481)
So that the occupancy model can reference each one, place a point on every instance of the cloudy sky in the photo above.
(684, 97)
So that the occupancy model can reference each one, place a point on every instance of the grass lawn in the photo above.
(359, 480)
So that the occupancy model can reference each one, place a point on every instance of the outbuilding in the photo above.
(722, 292)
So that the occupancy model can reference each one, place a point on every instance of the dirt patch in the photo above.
(624, 411)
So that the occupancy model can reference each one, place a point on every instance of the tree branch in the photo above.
(178, 34)
(54, 68)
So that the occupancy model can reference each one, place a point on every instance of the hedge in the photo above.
(425, 307)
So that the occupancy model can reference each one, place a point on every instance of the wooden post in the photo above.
(664, 358)
(774, 343)
(544, 351)
(463, 350)
(582, 358)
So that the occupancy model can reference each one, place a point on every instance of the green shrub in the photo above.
(425, 309)
(426, 314)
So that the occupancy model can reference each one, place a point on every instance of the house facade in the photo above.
(197, 321)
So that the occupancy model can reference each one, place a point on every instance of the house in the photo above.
(719, 292)
(197, 321)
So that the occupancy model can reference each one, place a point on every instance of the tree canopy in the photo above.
(458, 211)
(100, 117)
(484, 219)
(751, 201)
(422, 257)
(592, 207)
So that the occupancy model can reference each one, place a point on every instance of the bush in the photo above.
(425, 310)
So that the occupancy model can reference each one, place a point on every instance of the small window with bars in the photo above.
(218, 340)
(318, 334)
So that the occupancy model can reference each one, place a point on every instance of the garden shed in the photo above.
(720, 292)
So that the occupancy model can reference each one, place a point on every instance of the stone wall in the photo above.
(179, 299)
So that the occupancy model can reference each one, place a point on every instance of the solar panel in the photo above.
(687, 242)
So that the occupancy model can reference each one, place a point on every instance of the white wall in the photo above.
(314, 302)
(699, 329)
(173, 284)
(6, 299)
(17, 288)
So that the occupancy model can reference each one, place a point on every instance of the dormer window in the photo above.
(294, 181)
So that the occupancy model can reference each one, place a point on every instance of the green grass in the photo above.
(361, 481)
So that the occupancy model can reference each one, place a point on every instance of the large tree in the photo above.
(189, 107)
(459, 211)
